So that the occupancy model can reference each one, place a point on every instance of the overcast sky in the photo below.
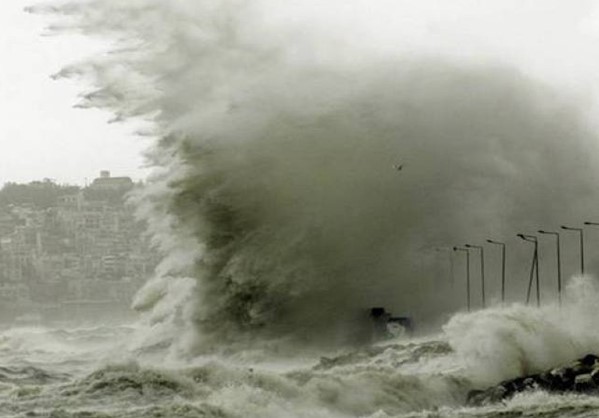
(42, 135)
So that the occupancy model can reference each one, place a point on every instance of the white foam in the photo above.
(500, 343)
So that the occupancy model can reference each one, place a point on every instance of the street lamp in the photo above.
(467, 274)
(482, 268)
(534, 267)
(580, 231)
(592, 223)
(559, 263)
(502, 267)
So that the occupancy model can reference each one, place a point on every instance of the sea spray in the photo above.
(275, 188)
(517, 340)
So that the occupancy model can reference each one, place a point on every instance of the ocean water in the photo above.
(64, 373)
(273, 135)
(98, 372)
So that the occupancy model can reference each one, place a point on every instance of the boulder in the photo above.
(580, 376)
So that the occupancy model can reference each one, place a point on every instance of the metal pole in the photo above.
(482, 273)
(580, 231)
(482, 269)
(468, 277)
(467, 274)
(451, 268)
(502, 267)
(532, 269)
(537, 270)
(581, 251)
(503, 273)
(559, 263)
(559, 272)
(534, 266)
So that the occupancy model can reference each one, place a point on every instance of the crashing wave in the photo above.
(275, 201)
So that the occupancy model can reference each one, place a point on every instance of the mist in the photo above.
(275, 199)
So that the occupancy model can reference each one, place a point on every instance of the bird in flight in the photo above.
(398, 167)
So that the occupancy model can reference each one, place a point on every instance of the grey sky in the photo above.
(41, 135)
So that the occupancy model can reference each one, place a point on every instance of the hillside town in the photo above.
(70, 252)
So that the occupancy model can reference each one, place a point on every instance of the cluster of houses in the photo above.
(83, 254)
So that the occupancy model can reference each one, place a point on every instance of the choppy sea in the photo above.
(84, 372)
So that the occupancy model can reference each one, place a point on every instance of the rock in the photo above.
(584, 383)
(581, 376)
(590, 360)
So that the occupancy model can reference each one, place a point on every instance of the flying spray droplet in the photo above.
(252, 201)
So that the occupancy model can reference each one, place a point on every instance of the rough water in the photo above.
(100, 372)
(281, 216)
(274, 199)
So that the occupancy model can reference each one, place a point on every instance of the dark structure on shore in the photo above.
(581, 376)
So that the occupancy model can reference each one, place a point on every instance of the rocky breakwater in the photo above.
(581, 376)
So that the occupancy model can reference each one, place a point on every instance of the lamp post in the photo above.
(467, 274)
(482, 269)
(581, 234)
(592, 223)
(559, 263)
(533, 268)
(502, 267)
